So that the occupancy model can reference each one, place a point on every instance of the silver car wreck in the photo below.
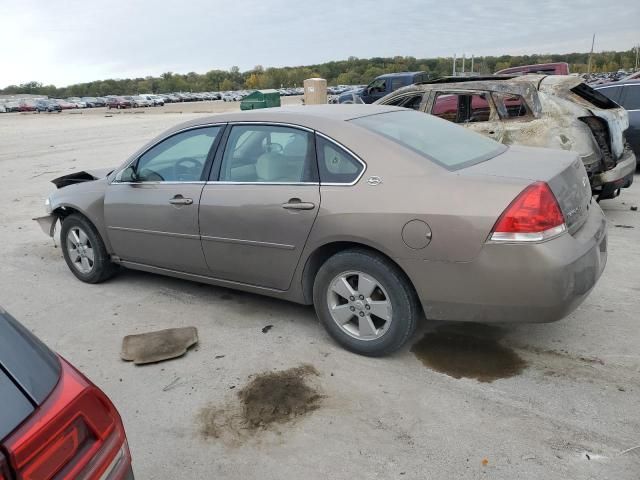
(551, 111)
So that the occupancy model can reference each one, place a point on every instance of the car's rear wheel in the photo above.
(365, 302)
(84, 250)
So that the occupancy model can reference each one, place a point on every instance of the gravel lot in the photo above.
(567, 409)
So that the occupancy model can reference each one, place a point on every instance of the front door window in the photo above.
(179, 158)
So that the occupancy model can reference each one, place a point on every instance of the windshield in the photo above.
(449, 145)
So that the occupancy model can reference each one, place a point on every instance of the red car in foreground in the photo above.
(54, 423)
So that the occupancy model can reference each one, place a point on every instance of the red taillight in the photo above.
(75, 434)
(4, 469)
(533, 216)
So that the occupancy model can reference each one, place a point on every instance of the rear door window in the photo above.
(268, 154)
(462, 107)
(631, 97)
(613, 93)
(510, 105)
(594, 97)
(407, 101)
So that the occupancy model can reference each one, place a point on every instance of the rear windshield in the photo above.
(594, 97)
(445, 143)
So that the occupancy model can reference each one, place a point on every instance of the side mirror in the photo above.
(129, 175)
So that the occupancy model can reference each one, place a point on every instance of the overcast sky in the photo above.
(70, 41)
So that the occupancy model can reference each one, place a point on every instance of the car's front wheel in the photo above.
(365, 302)
(84, 250)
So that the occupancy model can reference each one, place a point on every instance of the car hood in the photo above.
(81, 177)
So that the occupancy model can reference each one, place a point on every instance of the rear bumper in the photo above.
(621, 176)
(515, 283)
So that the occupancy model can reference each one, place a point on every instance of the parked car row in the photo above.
(129, 101)
(607, 77)
(286, 92)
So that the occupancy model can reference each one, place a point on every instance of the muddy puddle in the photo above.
(468, 351)
(268, 400)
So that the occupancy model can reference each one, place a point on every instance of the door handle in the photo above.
(297, 204)
(180, 200)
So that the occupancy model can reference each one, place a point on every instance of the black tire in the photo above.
(406, 308)
(102, 268)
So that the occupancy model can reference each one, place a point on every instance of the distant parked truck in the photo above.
(558, 68)
(382, 86)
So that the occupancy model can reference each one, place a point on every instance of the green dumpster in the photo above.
(261, 99)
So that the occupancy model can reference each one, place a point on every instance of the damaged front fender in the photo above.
(81, 177)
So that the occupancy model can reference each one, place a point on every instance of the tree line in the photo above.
(353, 71)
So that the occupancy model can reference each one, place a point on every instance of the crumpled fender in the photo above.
(80, 177)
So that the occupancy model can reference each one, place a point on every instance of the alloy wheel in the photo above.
(80, 250)
(359, 305)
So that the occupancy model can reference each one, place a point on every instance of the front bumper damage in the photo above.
(47, 224)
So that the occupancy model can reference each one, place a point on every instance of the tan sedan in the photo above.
(374, 214)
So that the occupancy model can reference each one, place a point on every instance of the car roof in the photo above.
(472, 78)
(305, 115)
(399, 74)
(331, 120)
(618, 83)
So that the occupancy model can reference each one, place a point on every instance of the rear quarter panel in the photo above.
(558, 126)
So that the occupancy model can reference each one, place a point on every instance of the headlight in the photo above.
(47, 205)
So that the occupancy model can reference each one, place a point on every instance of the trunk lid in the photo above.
(563, 171)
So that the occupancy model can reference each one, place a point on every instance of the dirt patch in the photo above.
(268, 400)
(469, 351)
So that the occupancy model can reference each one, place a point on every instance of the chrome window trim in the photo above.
(267, 123)
(186, 129)
(168, 182)
(350, 152)
(597, 87)
(226, 182)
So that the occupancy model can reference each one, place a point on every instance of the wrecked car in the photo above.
(373, 214)
(535, 110)
(627, 94)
